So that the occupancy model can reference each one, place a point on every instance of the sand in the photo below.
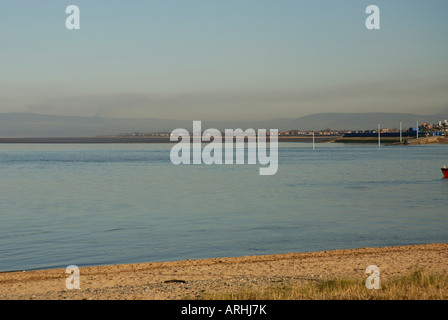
(194, 278)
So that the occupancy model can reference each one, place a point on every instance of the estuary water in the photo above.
(98, 204)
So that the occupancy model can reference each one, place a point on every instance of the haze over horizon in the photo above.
(233, 60)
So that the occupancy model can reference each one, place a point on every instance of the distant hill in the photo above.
(363, 121)
(38, 125)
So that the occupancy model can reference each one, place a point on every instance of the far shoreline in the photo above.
(132, 139)
(389, 141)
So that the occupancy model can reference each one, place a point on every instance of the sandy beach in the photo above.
(192, 278)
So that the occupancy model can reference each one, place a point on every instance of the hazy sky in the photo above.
(232, 59)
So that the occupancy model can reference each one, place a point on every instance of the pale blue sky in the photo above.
(209, 59)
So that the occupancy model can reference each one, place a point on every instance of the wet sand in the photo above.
(193, 278)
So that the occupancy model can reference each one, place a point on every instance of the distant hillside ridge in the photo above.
(40, 125)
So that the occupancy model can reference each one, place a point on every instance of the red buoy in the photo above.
(445, 172)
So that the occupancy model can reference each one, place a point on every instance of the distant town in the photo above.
(424, 129)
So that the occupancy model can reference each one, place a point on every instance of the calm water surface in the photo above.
(123, 203)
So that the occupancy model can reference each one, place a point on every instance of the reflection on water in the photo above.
(104, 204)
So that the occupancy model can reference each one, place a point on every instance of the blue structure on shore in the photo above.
(384, 134)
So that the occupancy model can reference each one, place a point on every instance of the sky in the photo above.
(223, 60)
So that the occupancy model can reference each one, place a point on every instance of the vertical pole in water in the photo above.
(379, 135)
(314, 147)
(417, 129)
(401, 136)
